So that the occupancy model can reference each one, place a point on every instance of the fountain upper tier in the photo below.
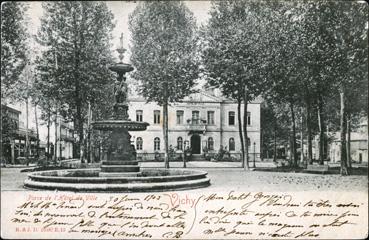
(121, 68)
(120, 119)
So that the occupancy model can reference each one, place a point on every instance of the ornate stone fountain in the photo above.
(121, 171)
(121, 159)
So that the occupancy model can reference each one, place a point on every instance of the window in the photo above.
(231, 118)
(179, 143)
(156, 144)
(248, 118)
(139, 115)
(139, 143)
(156, 117)
(195, 117)
(231, 144)
(211, 117)
(210, 143)
(179, 117)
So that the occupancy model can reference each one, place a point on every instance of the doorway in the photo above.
(195, 144)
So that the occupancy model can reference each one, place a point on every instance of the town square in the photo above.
(183, 98)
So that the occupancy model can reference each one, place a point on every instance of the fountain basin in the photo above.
(88, 180)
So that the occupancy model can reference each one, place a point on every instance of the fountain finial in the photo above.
(120, 48)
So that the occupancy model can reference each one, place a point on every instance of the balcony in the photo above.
(196, 125)
(21, 134)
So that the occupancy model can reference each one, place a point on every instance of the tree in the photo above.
(37, 132)
(357, 106)
(233, 55)
(301, 70)
(73, 67)
(13, 46)
(283, 69)
(275, 125)
(164, 45)
(351, 51)
(13, 55)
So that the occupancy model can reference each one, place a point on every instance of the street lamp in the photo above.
(254, 153)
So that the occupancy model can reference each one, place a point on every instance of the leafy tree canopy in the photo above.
(164, 44)
(73, 68)
(13, 46)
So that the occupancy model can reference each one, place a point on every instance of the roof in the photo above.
(207, 96)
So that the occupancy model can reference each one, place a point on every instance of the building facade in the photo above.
(65, 139)
(14, 137)
(203, 122)
(358, 144)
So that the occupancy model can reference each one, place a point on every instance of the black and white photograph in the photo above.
(232, 119)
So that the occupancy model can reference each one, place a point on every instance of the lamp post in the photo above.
(254, 154)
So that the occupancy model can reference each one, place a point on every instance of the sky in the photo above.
(121, 11)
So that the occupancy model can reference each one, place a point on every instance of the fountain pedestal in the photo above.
(121, 156)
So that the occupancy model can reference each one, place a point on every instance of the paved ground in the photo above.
(12, 179)
(229, 175)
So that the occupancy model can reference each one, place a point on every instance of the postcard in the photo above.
(184, 120)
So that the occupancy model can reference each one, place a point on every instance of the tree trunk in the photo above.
(99, 156)
(60, 142)
(79, 119)
(2, 156)
(56, 138)
(275, 142)
(89, 134)
(348, 143)
(27, 135)
(302, 139)
(48, 134)
(343, 123)
(239, 102)
(77, 42)
(246, 142)
(321, 130)
(293, 137)
(37, 134)
(92, 152)
(165, 134)
(308, 127)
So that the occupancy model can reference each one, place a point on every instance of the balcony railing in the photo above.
(21, 133)
(196, 125)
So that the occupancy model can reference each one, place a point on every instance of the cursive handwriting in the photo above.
(184, 215)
